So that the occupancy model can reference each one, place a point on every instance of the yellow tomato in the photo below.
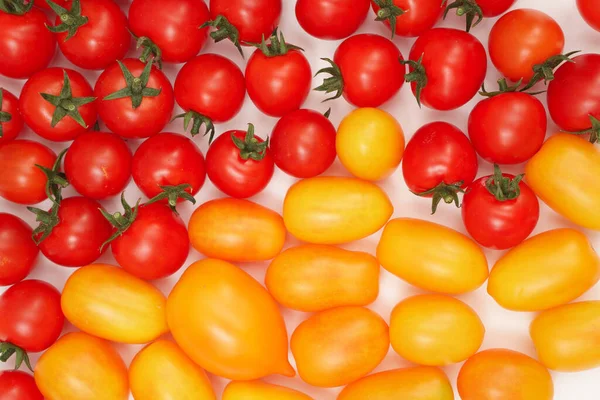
(545, 271)
(81, 367)
(334, 210)
(257, 390)
(418, 383)
(370, 143)
(435, 330)
(227, 323)
(338, 346)
(431, 256)
(236, 230)
(110, 303)
(567, 338)
(316, 277)
(564, 174)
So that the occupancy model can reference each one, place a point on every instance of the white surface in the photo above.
(504, 328)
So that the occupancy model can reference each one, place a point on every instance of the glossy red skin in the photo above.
(18, 252)
(331, 19)
(370, 68)
(420, 16)
(455, 64)
(231, 174)
(574, 94)
(493, 8)
(252, 18)
(438, 152)
(155, 245)
(12, 128)
(303, 143)
(82, 229)
(18, 385)
(509, 128)
(21, 181)
(172, 25)
(278, 85)
(31, 315)
(26, 45)
(590, 12)
(498, 224)
(119, 116)
(98, 165)
(212, 86)
(37, 112)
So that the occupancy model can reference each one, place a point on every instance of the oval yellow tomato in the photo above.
(81, 367)
(257, 390)
(435, 330)
(500, 374)
(335, 210)
(431, 256)
(338, 346)
(162, 371)
(545, 271)
(236, 230)
(227, 323)
(418, 383)
(564, 174)
(567, 338)
(317, 277)
(370, 143)
(110, 303)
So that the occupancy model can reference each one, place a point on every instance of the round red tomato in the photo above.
(439, 162)
(17, 385)
(303, 143)
(447, 68)
(475, 10)
(331, 19)
(590, 12)
(409, 17)
(135, 100)
(57, 104)
(18, 252)
(500, 210)
(21, 181)
(11, 122)
(366, 69)
(173, 26)
(98, 165)
(239, 163)
(44, 4)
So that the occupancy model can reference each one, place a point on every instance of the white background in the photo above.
(504, 328)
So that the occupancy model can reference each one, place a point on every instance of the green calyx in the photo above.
(197, 120)
(250, 147)
(150, 51)
(418, 75)
(504, 87)
(4, 116)
(443, 191)
(593, 131)
(469, 8)
(135, 87)
(121, 220)
(327, 113)
(502, 187)
(545, 70)
(172, 194)
(70, 20)
(335, 83)
(388, 11)
(276, 47)
(16, 7)
(66, 104)
(8, 349)
(225, 30)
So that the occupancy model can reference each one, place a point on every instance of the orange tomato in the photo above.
(545, 271)
(236, 230)
(227, 323)
(431, 256)
(257, 390)
(500, 374)
(338, 346)
(435, 330)
(110, 303)
(161, 371)
(81, 367)
(567, 338)
(318, 277)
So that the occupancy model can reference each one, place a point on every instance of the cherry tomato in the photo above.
(475, 10)
(18, 252)
(57, 104)
(44, 4)
(410, 18)
(239, 163)
(590, 13)
(17, 385)
(331, 19)
(141, 111)
(11, 122)
(258, 390)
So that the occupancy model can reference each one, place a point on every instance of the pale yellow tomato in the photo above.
(257, 390)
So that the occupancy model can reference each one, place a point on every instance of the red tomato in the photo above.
(146, 103)
(18, 252)
(21, 181)
(590, 12)
(303, 143)
(44, 4)
(475, 10)
(409, 17)
(57, 104)
(439, 162)
(447, 68)
(366, 69)
(239, 163)
(500, 210)
(11, 122)
(98, 165)
(17, 385)
(331, 19)
(173, 26)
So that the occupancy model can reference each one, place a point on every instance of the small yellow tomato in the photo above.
(431, 256)
(335, 210)
(370, 143)
(257, 390)
(567, 338)
(162, 371)
(545, 271)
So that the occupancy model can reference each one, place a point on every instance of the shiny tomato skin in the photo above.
(303, 143)
(98, 165)
(12, 128)
(590, 13)
(18, 385)
(331, 19)
(252, 18)
(419, 16)
(18, 252)
(493, 8)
